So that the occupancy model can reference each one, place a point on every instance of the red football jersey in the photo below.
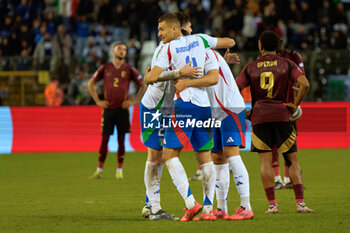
(117, 82)
(294, 56)
(269, 78)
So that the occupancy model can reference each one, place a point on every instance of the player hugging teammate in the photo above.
(194, 96)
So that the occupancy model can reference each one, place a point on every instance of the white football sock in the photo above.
(222, 185)
(152, 186)
(241, 177)
(119, 170)
(208, 186)
(160, 170)
(99, 169)
(179, 177)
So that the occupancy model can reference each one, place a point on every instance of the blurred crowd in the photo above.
(69, 36)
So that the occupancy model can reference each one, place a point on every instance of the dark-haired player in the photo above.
(270, 78)
(117, 76)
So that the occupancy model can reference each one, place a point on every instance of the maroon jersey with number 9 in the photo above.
(270, 77)
(117, 82)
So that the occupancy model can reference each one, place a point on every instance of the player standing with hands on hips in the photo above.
(117, 76)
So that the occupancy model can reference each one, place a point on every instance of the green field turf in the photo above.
(52, 193)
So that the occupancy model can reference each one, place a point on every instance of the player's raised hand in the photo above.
(231, 58)
(103, 104)
(180, 85)
(190, 71)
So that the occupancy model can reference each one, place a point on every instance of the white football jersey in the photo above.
(177, 53)
(225, 95)
(159, 95)
(211, 41)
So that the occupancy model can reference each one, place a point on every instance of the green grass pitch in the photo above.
(52, 193)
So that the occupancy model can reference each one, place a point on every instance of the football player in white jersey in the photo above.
(191, 106)
(228, 106)
(155, 102)
(157, 98)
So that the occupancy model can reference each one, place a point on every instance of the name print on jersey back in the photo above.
(187, 48)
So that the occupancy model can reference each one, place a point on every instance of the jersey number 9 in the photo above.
(269, 85)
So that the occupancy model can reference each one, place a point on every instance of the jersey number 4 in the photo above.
(266, 82)
(194, 62)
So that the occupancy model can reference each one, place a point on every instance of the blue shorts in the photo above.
(231, 132)
(152, 131)
(189, 122)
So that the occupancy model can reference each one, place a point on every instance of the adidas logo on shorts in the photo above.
(230, 139)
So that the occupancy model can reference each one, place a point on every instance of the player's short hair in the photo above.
(119, 43)
(269, 40)
(183, 18)
(170, 18)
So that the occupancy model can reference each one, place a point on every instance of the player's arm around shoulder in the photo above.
(218, 42)
(151, 76)
(162, 62)
(185, 72)
(210, 79)
(225, 43)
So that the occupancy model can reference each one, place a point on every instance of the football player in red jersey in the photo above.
(270, 78)
(286, 183)
(117, 76)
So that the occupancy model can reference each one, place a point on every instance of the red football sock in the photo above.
(121, 150)
(103, 150)
(286, 170)
(270, 194)
(299, 192)
(276, 170)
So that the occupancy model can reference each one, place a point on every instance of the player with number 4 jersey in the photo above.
(191, 105)
(157, 100)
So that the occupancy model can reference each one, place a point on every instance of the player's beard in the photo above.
(120, 57)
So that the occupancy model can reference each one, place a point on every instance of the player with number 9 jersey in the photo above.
(269, 78)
